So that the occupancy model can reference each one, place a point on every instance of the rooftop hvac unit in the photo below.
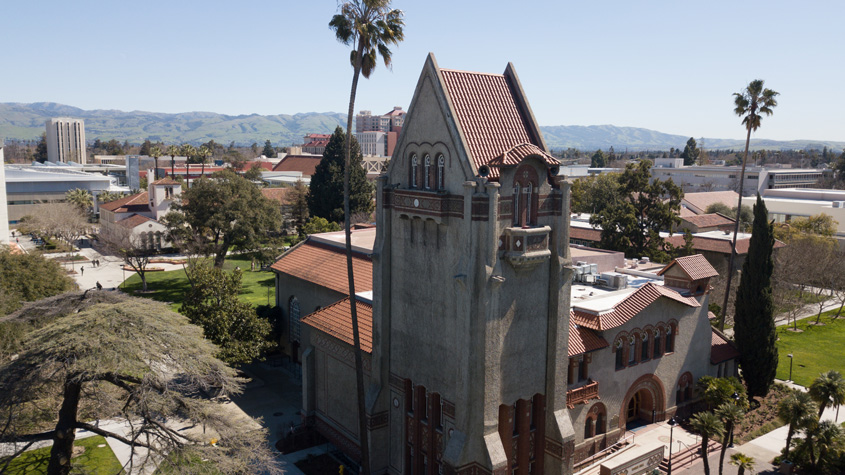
(581, 263)
(839, 204)
(594, 268)
(590, 278)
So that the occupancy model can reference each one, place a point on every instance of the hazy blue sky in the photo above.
(664, 65)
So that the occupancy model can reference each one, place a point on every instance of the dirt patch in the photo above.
(763, 418)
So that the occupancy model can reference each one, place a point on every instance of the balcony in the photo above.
(583, 394)
(526, 247)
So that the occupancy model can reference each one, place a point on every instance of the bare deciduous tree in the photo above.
(119, 240)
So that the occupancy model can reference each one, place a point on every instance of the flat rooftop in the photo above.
(362, 239)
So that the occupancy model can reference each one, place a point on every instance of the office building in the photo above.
(66, 140)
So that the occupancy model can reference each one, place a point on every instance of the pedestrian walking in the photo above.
(82, 270)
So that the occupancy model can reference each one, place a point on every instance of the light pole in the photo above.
(790, 365)
(672, 423)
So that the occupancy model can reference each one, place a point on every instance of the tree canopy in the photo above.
(754, 328)
(220, 213)
(268, 151)
(592, 194)
(691, 152)
(632, 224)
(105, 356)
(28, 277)
(598, 160)
(213, 303)
(325, 198)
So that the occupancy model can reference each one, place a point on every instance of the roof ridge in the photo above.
(461, 71)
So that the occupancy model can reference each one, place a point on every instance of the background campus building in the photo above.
(66, 140)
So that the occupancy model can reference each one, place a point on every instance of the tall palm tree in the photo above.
(172, 150)
(155, 152)
(203, 153)
(821, 441)
(798, 410)
(742, 462)
(189, 151)
(753, 101)
(708, 426)
(828, 388)
(369, 26)
(730, 413)
(80, 198)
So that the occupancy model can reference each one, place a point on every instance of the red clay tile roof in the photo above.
(488, 112)
(278, 195)
(336, 320)
(628, 308)
(139, 202)
(699, 201)
(721, 350)
(265, 165)
(722, 246)
(686, 212)
(583, 340)
(134, 221)
(708, 220)
(298, 163)
(695, 266)
(326, 266)
(586, 234)
(166, 181)
(516, 153)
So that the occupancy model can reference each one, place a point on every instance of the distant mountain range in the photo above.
(26, 121)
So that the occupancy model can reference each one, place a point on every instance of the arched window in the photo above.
(427, 172)
(620, 354)
(670, 338)
(516, 209)
(414, 169)
(526, 184)
(596, 421)
(601, 423)
(657, 335)
(529, 204)
(632, 350)
(293, 312)
(441, 166)
(589, 427)
(644, 347)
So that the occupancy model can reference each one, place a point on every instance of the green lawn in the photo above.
(815, 350)
(171, 286)
(95, 460)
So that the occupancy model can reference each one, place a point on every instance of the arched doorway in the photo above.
(644, 403)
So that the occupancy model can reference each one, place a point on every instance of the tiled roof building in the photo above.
(481, 337)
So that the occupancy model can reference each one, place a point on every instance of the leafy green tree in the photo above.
(592, 194)
(28, 277)
(798, 410)
(633, 224)
(317, 225)
(326, 198)
(707, 425)
(230, 323)
(254, 173)
(269, 151)
(217, 215)
(145, 147)
(719, 391)
(41, 149)
(819, 447)
(691, 152)
(80, 198)
(828, 389)
(742, 462)
(730, 413)
(598, 160)
(104, 355)
(297, 202)
(749, 104)
(745, 214)
(754, 328)
(370, 27)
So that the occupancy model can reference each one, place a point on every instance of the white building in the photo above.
(373, 143)
(66, 140)
(712, 178)
(785, 204)
(4, 211)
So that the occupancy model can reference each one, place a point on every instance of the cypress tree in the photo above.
(325, 198)
(754, 329)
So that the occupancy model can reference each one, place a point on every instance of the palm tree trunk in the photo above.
(704, 441)
(736, 230)
(359, 363)
(173, 164)
(725, 439)
(788, 439)
(155, 171)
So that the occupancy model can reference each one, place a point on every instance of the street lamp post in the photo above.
(672, 423)
(790, 365)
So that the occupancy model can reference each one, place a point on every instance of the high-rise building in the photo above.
(377, 134)
(66, 140)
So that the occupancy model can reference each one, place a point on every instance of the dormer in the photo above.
(162, 194)
(690, 274)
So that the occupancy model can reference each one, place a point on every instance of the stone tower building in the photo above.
(471, 287)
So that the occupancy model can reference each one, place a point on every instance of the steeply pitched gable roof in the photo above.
(628, 308)
(134, 221)
(695, 266)
(584, 340)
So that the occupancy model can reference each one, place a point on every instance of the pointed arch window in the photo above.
(427, 172)
(414, 169)
(294, 314)
(441, 165)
